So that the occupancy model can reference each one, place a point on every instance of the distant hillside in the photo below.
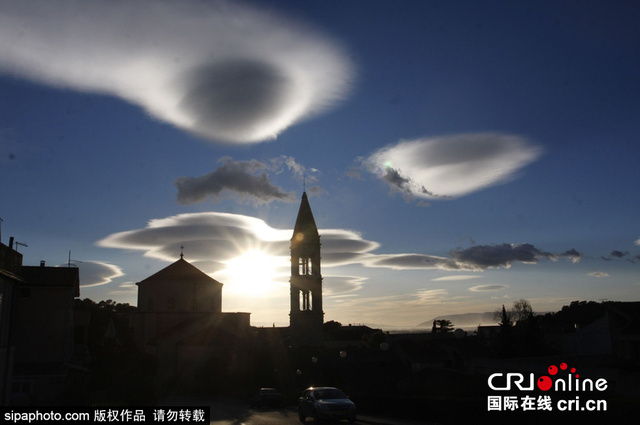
(464, 321)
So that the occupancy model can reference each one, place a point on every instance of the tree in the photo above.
(503, 317)
(442, 326)
(521, 312)
(520, 331)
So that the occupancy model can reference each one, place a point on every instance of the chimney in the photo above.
(42, 263)
(11, 242)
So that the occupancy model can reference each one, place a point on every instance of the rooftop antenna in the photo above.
(69, 264)
(20, 243)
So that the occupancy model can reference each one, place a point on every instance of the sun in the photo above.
(254, 273)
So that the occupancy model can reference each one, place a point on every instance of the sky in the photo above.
(457, 156)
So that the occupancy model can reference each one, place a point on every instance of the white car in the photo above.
(325, 403)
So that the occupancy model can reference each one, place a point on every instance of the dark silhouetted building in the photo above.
(43, 333)
(10, 265)
(181, 323)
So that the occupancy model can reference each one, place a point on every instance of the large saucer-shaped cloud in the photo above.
(451, 166)
(212, 239)
(215, 241)
(222, 70)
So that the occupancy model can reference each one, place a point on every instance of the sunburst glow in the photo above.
(254, 274)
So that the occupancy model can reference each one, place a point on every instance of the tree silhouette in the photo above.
(442, 326)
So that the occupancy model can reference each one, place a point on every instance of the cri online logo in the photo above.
(545, 382)
(571, 383)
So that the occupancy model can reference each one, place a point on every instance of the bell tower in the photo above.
(306, 316)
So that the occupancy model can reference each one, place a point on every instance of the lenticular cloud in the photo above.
(218, 69)
(451, 166)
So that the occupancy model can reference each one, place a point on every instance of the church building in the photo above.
(180, 322)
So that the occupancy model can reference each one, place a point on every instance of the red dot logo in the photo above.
(573, 370)
(553, 370)
(545, 383)
(563, 366)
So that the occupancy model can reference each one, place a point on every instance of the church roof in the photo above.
(181, 270)
(305, 224)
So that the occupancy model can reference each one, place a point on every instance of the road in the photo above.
(234, 413)
(231, 412)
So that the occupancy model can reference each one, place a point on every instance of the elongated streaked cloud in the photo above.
(483, 288)
(475, 258)
(619, 254)
(450, 166)
(245, 179)
(338, 285)
(411, 262)
(427, 296)
(455, 278)
(219, 69)
(598, 274)
(125, 289)
(481, 257)
(96, 273)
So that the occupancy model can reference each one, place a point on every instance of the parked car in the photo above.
(325, 403)
(267, 397)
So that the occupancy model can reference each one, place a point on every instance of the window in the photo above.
(305, 266)
(306, 303)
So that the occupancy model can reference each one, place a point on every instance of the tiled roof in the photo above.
(181, 270)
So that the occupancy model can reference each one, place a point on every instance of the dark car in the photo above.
(325, 403)
(267, 397)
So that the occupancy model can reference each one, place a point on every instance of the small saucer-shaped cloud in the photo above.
(482, 288)
(96, 273)
(219, 69)
(451, 166)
